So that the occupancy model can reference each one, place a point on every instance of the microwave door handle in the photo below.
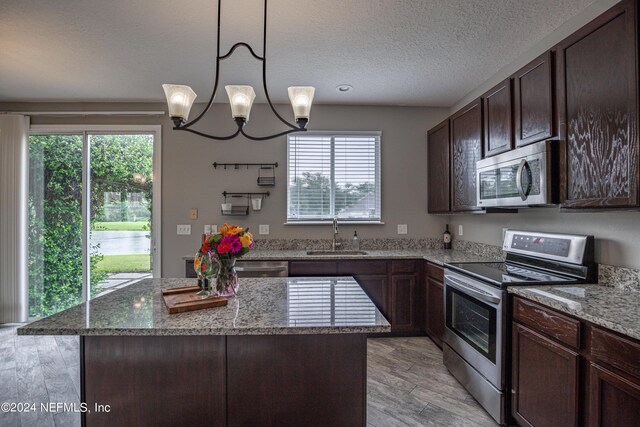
(523, 194)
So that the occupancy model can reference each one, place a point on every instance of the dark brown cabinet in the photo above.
(391, 285)
(544, 387)
(498, 119)
(438, 166)
(597, 77)
(613, 400)
(534, 101)
(404, 299)
(466, 150)
(567, 372)
(434, 303)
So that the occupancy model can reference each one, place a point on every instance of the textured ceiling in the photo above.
(401, 52)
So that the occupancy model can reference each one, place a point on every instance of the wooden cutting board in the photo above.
(180, 300)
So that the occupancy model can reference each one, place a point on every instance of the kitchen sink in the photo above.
(338, 252)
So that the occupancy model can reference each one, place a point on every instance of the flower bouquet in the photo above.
(223, 248)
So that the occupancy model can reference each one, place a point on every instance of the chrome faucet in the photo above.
(335, 245)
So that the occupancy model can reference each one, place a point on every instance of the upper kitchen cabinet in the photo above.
(498, 119)
(438, 153)
(598, 112)
(466, 150)
(534, 101)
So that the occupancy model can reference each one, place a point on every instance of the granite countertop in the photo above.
(606, 306)
(437, 256)
(264, 306)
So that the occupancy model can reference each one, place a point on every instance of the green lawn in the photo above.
(119, 226)
(118, 263)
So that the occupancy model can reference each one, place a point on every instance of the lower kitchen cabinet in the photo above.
(568, 372)
(434, 303)
(393, 286)
(544, 382)
(404, 296)
(613, 399)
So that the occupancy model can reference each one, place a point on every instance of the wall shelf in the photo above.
(247, 165)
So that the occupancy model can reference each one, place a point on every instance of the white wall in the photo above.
(189, 180)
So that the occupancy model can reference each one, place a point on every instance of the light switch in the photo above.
(263, 229)
(402, 228)
(193, 213)
(214, 228)
(184, 230)
(207, 229)
(460, 230)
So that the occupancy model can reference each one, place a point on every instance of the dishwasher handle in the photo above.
(261, 269)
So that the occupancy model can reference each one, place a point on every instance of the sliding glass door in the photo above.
(92, 215)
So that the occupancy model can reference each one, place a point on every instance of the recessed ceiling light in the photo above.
(344, 88)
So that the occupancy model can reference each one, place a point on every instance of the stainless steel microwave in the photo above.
(521, 177)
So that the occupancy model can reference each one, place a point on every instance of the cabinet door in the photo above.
(438, 166)
(466, 150)
(376, 287)
(434, 324)
(613, 400)
(544, 389)
(534, 101)
(598, 113)
(403, 299)
(498, 119)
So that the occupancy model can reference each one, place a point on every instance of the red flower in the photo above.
(224, 247)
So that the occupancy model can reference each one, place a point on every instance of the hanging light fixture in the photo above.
(180, 98)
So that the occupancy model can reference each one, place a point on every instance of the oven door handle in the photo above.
(260, 269)
(486, 297)
(523, 165)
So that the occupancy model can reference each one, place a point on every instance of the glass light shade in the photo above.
(180, 99)
(301, 98)
(241, 99)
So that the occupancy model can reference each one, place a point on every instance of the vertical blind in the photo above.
(334, 175)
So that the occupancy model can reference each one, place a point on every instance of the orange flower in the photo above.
(230, 229)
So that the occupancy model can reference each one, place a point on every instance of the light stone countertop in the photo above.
(436, 256)
(264, 306)
(616, 309)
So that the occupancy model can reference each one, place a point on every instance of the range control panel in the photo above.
(570, 248)
(542, 245)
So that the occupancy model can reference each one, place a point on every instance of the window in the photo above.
(333, 175)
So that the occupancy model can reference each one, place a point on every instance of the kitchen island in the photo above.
(285, 351)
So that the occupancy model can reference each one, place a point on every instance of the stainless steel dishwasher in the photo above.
(262, 268)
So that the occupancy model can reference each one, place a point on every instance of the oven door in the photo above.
(516, 178)
(474, 324)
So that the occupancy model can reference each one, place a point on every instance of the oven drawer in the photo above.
(550, 322)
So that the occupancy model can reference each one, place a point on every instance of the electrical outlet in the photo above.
(460, 230)
(184, 230)
(214, 228)
(402, 228)
(193, 213)
(263, 229)
(207, 229)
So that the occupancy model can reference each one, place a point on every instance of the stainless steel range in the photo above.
(476, 331)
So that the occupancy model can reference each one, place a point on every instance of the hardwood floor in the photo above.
(407, 383)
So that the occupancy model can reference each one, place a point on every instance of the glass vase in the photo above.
(227, 278)
(205, 268)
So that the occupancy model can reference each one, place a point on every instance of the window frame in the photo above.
(378, 177)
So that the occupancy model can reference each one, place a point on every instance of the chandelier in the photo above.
(180, 97)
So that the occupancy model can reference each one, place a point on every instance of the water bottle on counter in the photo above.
(355, 245)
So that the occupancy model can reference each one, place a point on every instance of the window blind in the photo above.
(334, 176)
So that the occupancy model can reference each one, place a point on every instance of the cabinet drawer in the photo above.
(435, 271)
(407, 266)
(616, 351)
(362, 267)
(313, 268)
(545, 320)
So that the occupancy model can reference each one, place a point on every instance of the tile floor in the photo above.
(407, 383)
